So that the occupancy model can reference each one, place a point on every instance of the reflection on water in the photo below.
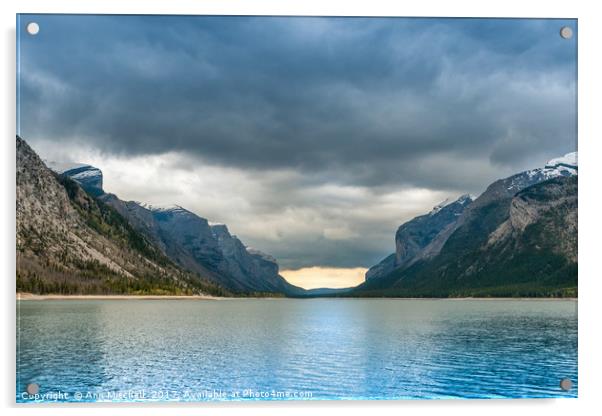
(285, 349)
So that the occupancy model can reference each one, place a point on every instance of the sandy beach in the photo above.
(32, 296)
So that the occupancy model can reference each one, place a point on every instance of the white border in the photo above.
(590, 180)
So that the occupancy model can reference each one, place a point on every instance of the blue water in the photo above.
(279, 349)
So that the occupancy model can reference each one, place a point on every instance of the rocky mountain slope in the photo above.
(421, 237)
(519, 238)
(69, 242)
(190, 241)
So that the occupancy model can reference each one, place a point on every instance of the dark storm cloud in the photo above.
(364, 98)
(441, 104)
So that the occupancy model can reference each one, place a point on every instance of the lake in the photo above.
(300, 349)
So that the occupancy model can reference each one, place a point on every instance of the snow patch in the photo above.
(569, 160)
(86, 174)
(164, 208)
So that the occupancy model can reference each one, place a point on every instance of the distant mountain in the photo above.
(324, 292)
(190, 241)
(89, 177)
(519, 238)
(69, 242)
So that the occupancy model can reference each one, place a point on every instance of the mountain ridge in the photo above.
(190, 240)
(518, 238)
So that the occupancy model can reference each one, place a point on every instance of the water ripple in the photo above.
(328, 348)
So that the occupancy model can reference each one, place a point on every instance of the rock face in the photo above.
(252, 269)
(69, 242)
(519, 238)
(421, 237)
(386, 266)
(549, 209)
(414, 240)
(196, 245)
(192, 241)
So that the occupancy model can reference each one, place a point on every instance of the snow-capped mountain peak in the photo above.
(88, 176)
(560, 166)
(567, 162)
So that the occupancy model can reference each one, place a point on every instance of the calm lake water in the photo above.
(278, 349)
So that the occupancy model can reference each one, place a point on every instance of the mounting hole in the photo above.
(33, 388)
(566, 32)
(33, 28)
(566, 384)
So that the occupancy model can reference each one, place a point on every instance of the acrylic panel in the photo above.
(240, 208)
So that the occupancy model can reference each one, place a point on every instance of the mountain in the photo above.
(421, 237)
(324, 292)
(190, 241)
(89, 177)
(519, 238)
(69, 242)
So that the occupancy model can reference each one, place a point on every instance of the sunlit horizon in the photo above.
(325, 277)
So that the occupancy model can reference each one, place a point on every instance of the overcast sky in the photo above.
(312, 138)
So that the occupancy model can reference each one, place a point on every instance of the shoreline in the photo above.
(32, 296)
